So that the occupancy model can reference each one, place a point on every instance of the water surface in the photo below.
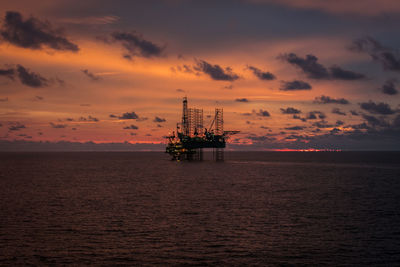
(256, 208)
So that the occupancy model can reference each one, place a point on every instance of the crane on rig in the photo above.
(191, 136)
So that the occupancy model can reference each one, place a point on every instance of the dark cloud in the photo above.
(39, 98)
(26, 77)
(322, 124)
(25, 136)
(266, 76)
(297, 117)
(335, 131)
(290, 110)
(328, 100)
(8, 73)
(263, 113)
(338, 111)
(321, 115)
(4, 99)
(215, 71)
(89, 118)
(261, 139)
(377, 108)
(341, 74)
(30, 78)
(360, 126)
(260, 113)
(388, 57)
(314, 70)
(354, 113)
(180, 90)
(91, 75)
(128, 116)
(375, 122)
(136, 45)
(313, 115)
(389, 88)
(58, 126)
(295, 85)
(85, 105)
(241, 100)
(16, 127)
(131, 127)
(308, 65)
(339, 123)
(33, 33)
(296, 137)
(295, 128)
(158, 119)
(128, 57)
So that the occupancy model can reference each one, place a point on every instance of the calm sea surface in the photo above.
(255, 208)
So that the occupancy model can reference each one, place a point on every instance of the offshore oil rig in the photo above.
(191, 135)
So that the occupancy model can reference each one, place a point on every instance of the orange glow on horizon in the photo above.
(305, 150)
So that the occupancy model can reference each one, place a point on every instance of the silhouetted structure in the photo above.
(191, 136)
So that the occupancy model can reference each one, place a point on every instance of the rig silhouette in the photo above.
(191, 136)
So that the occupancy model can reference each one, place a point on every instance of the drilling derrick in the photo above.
(192, 137)
(185, 117)
(219, 121)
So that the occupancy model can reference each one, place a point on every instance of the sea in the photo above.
(252, 209)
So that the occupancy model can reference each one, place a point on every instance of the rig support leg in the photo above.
(218, 154)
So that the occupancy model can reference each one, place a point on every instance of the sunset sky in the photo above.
(293, 74)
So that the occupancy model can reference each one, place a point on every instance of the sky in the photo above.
(289, 74)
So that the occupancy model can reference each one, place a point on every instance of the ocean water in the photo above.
(255, 208)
